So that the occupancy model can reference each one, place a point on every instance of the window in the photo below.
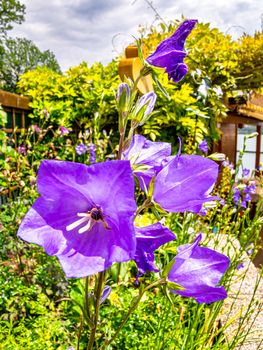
(250, 157)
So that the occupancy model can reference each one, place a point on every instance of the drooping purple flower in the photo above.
(146, 157)
(236, 195)
(170, 53)
(203, 146)
(106, 292)
(92, 149)
(22, 150)
(245, 172)
(84, 215)
(64, 131)
(149, 239)
(250, 188)
(37, 129)
(184, 183)
(80, 149)
(199, 270)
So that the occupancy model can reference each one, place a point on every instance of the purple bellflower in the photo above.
(203, 146)
(149, 239)
(185, 182)
(64, 131)
(84, 215)
(199, 270)
(170, 53)
(81, 149)
(146, 157)
(92, 152)
(245, 172)
(22, 150)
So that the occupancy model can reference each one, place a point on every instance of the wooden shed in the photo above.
(17, 109)
(243, 119)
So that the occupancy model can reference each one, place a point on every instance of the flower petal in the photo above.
(184, 183)
(149, 239)
(199, 270)
(69, 189)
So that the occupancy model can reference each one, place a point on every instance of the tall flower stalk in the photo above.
(85, 215)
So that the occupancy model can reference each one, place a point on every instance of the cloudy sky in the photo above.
(98, 30)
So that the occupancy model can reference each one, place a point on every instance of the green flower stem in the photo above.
(146, 204)
(131, 309)
(99, 289)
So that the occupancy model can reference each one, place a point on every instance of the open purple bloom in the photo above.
(250, 188)
(149, 239)
(199, 270)
(236, 195)
(184, 183)
(170, 53)
(146, 157)
(245, 172)
(80, 149)
(84, 215)
(203, 146)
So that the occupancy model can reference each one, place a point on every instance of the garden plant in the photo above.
(134, 242)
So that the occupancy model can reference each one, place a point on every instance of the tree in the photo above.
(11, 11)
(20, 55)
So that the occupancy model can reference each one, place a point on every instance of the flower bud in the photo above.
(123, 97)
(218, 157)
(250, 136)
(144, 107)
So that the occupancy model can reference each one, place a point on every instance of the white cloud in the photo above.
(77, 30)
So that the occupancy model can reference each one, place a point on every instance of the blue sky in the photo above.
(98, 30)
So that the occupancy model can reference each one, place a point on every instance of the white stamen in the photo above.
(83, 215)
(87, 227)
(77, 223)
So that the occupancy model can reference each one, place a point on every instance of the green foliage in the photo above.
(74, 98)
(19, 56)
(11, 11)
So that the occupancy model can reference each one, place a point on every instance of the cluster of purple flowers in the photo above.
(85, 214)
(243, 194)
(82, 149)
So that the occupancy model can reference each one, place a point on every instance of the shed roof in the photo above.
(253, 108)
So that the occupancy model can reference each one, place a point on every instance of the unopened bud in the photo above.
(250, 136)
(123, 97)
(144, 107)
(218, 157)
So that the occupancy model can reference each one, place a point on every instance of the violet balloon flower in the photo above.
(22, 150)
(84, 215)
(185, 182)
(199, 270)
(80, 149)
(64, 131)
(146, 157)
(149, 239)
(92, 152)
(203, 146)
(170, 53)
